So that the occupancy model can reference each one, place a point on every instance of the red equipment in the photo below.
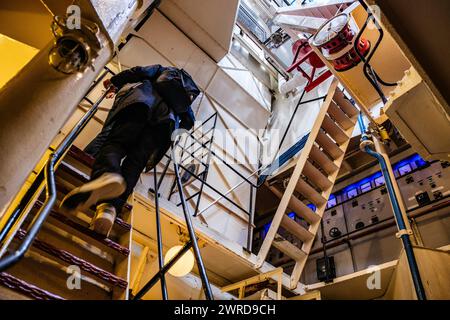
(335, 38)
(304, 53)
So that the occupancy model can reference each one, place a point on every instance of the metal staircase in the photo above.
(310, 182)
(47, 255)
(66, 247)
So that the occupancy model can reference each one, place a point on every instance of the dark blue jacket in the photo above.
(137, 85)
(147, 84)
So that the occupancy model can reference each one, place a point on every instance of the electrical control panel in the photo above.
(367, 209)
(334, 223)
(366, 202)
(425, 186)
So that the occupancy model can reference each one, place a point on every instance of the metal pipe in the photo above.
(192, 236)
(163, 174)
(159, 237)
(250, 223)
(415, 274)
(234, 170)
(24, 203)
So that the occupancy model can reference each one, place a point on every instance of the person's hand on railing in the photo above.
(111, 89)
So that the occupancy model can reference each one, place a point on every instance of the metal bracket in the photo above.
(365, 143)
(403, 232)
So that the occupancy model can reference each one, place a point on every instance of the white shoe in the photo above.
(103, 221)
(107, 186)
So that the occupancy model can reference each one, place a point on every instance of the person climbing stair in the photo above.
(150, 103)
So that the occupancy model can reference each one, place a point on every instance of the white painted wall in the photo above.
(283, 109)
(208, 23)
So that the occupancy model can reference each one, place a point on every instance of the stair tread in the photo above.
(323, 160)
(345, 104)
(81, 156)
(26, 288)
(298, 206)
(86, 234)
(296, 229)
(310, 193)
(288, 248)
(334, 131)
(328, 145)
(317, 177)
(74, 260)
(340, 116)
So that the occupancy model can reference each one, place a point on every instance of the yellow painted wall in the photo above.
(14, 55)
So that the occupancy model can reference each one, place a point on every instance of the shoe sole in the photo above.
(103, 225)
(84, 197)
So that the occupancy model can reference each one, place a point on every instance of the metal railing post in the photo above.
(159, 237)
(192, 236)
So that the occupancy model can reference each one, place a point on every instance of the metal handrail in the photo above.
(47, 175)
(202, 178)
(159, 237)
(192, 243)
(192, 236)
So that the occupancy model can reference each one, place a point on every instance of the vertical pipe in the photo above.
(250, 222)
(352, 255)
(412, 263)
(136, 280)
(159, 237)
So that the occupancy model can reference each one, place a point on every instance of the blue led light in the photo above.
(267, 225)
(415, 158)
(377, 178)
(332, 201)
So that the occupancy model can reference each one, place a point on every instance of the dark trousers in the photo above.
(132, 139)
(93, 148)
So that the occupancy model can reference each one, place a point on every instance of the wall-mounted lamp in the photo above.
(184, 265)
(74, 50)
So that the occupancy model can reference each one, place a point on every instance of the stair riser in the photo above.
(296, 229)
(310, 193)
(52, 279)
(23, 290)
(68, 258)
